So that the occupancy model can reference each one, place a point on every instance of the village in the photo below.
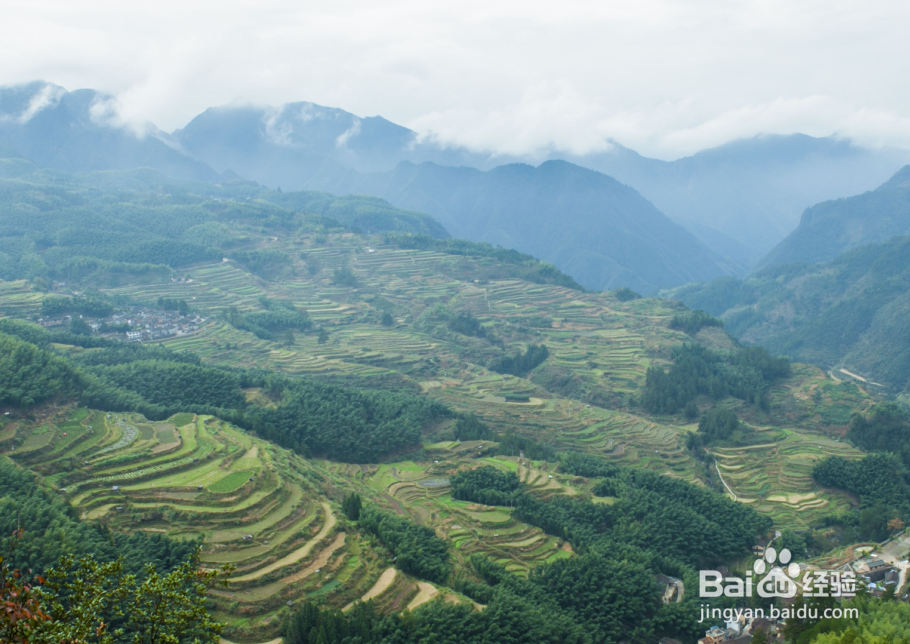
(135, 324)
(876, 570)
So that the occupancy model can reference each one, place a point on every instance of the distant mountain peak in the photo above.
(81, 130)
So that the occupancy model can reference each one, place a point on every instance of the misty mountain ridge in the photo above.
(578, 219)
(743, 197)
(740, 198)
(735, 200)
(830, 228)
(78, 132)
(603, 233)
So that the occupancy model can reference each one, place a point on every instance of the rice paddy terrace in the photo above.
(270, 513)
(600, 348)
(581, 398)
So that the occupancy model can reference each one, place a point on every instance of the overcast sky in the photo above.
(664, 77)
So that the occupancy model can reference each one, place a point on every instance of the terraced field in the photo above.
(422, 491)
(581, 398)
(272, 514)
(776, 476)
(260, 508)
(19, 300)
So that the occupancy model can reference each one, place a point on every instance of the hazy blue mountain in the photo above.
(828, 229)
(744, 197)
(852, 312)
(589, 225)
(740, 199)
(75, 132)
(602, 233)
(285, 145)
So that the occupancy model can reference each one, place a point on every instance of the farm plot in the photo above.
(271, 520)
(776, 477)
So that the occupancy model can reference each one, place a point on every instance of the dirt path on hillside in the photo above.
(298, 554)
(425, 594)
(720, 476)
(385, 580)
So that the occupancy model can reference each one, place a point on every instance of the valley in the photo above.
(443, 321)
(274, 515)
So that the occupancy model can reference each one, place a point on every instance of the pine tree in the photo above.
(351, 506)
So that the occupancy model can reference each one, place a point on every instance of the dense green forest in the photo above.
(554, 605)
(313, 418)
(881, 480)
(656, 525)
(850, 312)
(745, 373)
(276, 316)
(692, 322)
(68, 227)
(652, 512)
(718, 426)
(417, 549)
(465, 323)
(523, 362)
(885, 429)
(30, 375)
(880, 620)
(471, 428)
(486, 485)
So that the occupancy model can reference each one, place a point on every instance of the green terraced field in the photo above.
(276, 523)
(190, 478)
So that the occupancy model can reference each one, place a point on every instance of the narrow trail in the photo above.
(298, 554)
(717, 467)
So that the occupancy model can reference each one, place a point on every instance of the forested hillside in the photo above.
(325, 420)
(849, 313)
(832, 227)
(615, 548)
(65, 227)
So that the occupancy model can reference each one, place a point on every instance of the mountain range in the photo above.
(715, 213)
(740, 199)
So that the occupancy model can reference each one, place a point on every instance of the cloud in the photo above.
(354, 130)
(665, 77)
(47, 96)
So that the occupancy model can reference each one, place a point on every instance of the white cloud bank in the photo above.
(664, 77)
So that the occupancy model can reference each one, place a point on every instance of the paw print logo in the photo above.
(777, 582)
